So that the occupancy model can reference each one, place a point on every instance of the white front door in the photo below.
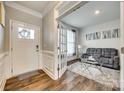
(24, 47)
(62, 49)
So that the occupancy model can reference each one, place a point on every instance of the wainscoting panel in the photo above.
(48, 63)
(2, 70)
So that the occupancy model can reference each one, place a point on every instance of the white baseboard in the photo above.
(49, 74)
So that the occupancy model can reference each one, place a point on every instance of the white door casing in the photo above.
(122, 46)
(62, 49)
(24, 47)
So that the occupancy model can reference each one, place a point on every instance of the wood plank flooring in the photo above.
(42, 82)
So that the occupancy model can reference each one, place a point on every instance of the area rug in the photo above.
(109, 77)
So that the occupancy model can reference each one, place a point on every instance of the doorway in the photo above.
(24, 45)
(90, 19)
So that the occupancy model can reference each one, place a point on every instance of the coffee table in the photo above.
(91, 63)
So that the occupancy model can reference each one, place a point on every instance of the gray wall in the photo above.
(48, 35)
(14, 14)
(100, 43)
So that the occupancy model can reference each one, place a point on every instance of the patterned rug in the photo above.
(109, 77)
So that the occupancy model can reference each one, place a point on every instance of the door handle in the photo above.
(37, 46)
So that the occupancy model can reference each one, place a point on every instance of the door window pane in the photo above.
(25, 33)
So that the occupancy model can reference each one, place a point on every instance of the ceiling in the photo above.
(84, 16)
(39, 6)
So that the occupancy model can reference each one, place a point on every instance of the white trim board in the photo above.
(61, 5)
(23, 9)
(122, 45)
(50, 74)
(47, 51)
(49, 8)
(3, 70)
(71, 9)
(2, 85)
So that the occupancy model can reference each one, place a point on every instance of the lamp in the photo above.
(79, 46)
(79, 50)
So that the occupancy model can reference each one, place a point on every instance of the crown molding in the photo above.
(61, 4)
(50, 7)
(23, 9)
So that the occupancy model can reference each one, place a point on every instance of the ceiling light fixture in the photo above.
(97, 12)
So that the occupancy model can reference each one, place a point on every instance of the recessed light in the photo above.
(97, 12)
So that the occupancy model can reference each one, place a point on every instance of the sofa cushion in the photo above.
(90, 51)
(106, 60)
(98, 52)
(109, 52)
(114, 52)
(106, 52)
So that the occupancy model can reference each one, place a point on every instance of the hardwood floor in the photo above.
(42, 82)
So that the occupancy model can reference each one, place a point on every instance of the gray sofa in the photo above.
(108, 57)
